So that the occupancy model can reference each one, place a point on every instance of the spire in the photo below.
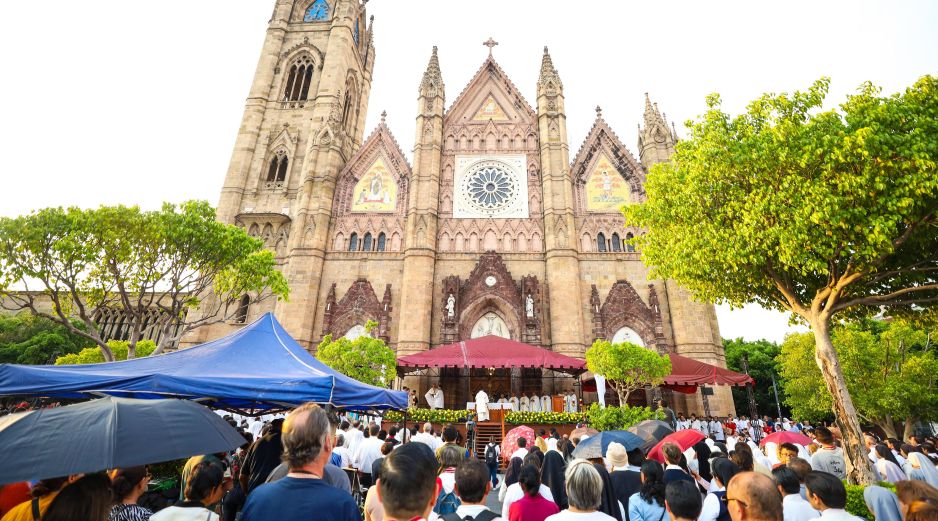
(384, 115)
(548, 72)
(652, 116)
(432, 78)
(599, 112)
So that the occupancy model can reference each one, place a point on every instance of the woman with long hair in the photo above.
(88, 499)
(648, 503)
(514, 492)
(887, 465)
(714, 505)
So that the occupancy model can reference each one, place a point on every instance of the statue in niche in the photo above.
(450, 305)
(529, 306)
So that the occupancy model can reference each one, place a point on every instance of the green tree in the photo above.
(94, 355)
(86, 262)
(28, 339)
(365, 359)
(762, 367)
(890, 368)
(822, 213)
(627, 366)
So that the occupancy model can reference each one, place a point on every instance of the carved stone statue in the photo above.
(529, 306)
(450, 305)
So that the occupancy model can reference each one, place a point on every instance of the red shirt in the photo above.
(531, 509)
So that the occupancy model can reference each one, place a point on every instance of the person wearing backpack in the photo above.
(447, 501)
(492, 452)
(471, 486)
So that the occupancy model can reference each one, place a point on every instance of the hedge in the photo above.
(856, 505)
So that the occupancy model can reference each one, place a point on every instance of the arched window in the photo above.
(299, 78)
(601, 242)
(366, 246)
(616, 243)
(628, 244)
(241, 316)
(277, 171)
(382, 240)
(347, 107)
(353, 242)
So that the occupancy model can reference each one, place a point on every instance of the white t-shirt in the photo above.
(520, 453)
(514, 493)
(566, 515)
(185, 514)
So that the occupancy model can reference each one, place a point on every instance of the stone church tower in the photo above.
(493, 229)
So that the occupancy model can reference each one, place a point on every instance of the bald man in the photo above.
(753, 496)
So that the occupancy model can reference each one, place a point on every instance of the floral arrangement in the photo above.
(428, 415)
(544, 418)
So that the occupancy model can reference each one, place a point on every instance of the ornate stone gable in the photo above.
(350, 216)
(623, 307)
(602, 144)
(489, 81)
(357, 307)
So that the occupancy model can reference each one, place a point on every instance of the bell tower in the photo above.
(563, 265)
(303, 119)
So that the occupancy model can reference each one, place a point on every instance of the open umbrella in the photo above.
(786, 437)
(579, 432)
(595, 446)
(652, 431)
(684, 439)
(510, 443)
(108, 433)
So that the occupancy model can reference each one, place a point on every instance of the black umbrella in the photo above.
(652, 431)
(108, 433)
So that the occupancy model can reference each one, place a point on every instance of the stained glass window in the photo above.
(491, 187)
(317, 11)
(356, 32)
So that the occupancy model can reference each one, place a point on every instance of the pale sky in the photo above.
(108, 102)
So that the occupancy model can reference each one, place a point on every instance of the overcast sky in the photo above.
(107, 102)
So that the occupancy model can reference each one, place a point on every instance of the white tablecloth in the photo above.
(506, 406)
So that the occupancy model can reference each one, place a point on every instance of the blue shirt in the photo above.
(641, 510)
(299, 499)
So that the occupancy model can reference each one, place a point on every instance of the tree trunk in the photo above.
(860, 471)
(887, 424)
(909, 427)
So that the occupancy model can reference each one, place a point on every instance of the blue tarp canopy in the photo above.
(258, 367)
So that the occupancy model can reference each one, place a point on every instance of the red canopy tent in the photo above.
(687, 374)
(490, 352)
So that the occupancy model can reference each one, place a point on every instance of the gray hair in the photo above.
(305, 432)
(584, 485)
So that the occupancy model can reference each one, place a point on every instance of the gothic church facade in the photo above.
(492, 228)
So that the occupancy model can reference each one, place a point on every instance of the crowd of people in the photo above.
(526, 402)
(300, 467)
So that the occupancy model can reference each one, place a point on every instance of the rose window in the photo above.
(491, 188)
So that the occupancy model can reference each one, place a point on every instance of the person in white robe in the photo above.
(435, 397)
(482, 406)
(525, 403)
(534, 403)
(545, 404)
(515, 403)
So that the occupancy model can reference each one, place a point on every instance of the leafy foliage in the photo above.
(365, 359)
(28, 339)
(94, 355)
(762, 365)
(627, 366)
(890, 368)
(172, 260)
(618, 418)
(807, 210)
(856, 505)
